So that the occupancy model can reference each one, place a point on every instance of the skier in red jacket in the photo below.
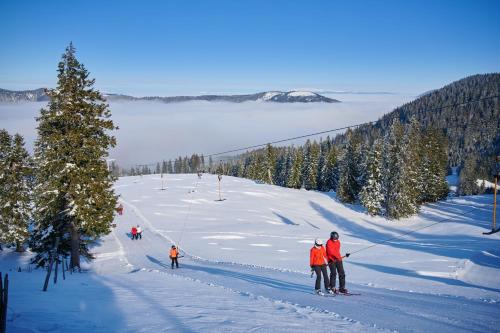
(335, 262)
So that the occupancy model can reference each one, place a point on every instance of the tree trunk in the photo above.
(19, 247)
(75, 248)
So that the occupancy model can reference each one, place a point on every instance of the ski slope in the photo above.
(245, 266)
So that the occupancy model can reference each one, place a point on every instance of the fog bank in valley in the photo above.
(152, 131)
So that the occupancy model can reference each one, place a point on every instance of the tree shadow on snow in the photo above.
(455, 246)
(410, 273)
(251, 278)
(285, 219)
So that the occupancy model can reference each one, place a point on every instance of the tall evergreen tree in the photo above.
(270, 164)
(398, 200)
(348, 188)
(311, 166)
(468, 178)
(295, 176)
(371, 195)
(329, 171)
(435, 159)
(15, 191)
(74, 197)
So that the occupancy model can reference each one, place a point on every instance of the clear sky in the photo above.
(191, 47)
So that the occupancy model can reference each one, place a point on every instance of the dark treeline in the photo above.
(186, 164)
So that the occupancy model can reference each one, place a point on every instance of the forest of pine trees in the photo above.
(391, 176)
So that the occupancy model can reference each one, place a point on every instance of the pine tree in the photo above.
(311, 165)
(15, 190)
(329, 171)
(434, 171)
(74, 197)
(398, 199)
(295, 177)
(348, 188)
(468, 178)
(270, 164)
(371, 195)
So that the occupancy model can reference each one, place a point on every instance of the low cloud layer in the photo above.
(152, 131)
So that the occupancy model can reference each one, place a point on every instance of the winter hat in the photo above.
(318, 242)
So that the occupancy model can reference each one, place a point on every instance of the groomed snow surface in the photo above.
(245, 266)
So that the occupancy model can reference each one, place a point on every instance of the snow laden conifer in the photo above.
(468, 178)
(329, 170)
(434, 170)
(270, 164)
(348, 187)
(398, 200)
(295, 175)
(15, 190)
(74, 197)
(311, 162)
(413, 151)
(371, 195)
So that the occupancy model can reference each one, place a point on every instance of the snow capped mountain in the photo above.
(295, 97)
(269, 96)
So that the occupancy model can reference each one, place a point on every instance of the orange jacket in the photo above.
(333, 250)
(173, 253)
(318, 256)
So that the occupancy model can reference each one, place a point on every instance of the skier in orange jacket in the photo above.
(318, 265)
(174, 254)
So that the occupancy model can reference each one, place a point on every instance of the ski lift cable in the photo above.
(187, 216)
(351, 126)
(410, 232)
(337, 129)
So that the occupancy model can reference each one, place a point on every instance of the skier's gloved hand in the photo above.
(347, 255)
(312, 269)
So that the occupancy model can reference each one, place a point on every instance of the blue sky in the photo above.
(193, 47)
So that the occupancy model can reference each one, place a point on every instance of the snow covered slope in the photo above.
(245, 266)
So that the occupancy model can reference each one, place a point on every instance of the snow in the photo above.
(269, 95)
(241, 273)
(301, 93)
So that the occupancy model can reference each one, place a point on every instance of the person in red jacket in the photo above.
(318, 265)
(134, 232)
(334, 259)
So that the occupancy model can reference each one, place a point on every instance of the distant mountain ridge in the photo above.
(38, 95)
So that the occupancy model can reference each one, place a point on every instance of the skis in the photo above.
(347, 294)
(323, 294)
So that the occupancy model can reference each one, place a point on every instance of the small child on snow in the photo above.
(173, 256)
(318, 265)
(139, 232)
(134, 233)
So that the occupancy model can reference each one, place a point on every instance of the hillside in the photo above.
(473, 130)
(245, 266)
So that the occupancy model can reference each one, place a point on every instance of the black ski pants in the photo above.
(337, 266)
(174, 260)
(319, 270)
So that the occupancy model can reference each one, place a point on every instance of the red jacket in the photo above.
(333, 250)
(318, 256)
(134, 230)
